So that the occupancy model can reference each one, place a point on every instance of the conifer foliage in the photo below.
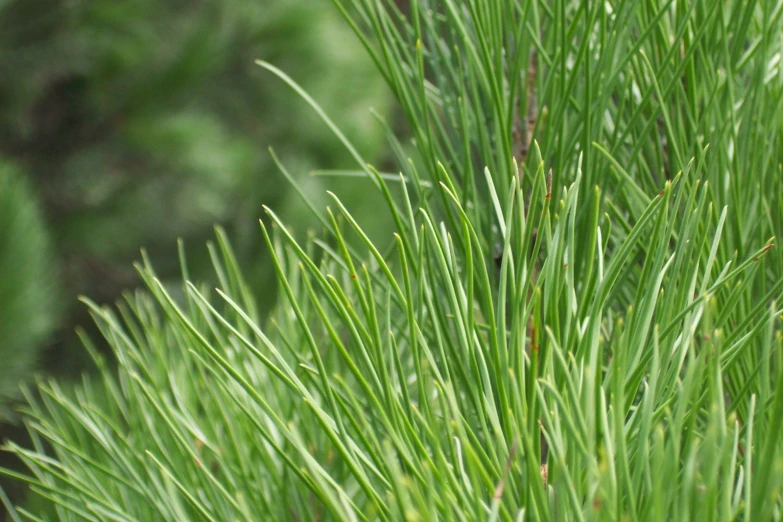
(577, 316)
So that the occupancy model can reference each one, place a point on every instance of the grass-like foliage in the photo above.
(575, 318)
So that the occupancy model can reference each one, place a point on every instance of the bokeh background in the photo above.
(132, 123)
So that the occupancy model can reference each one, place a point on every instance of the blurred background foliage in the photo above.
(131, 123)
(28, 286)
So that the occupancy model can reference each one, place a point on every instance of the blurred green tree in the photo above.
(140, 121)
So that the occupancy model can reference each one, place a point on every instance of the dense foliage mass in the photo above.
(577, 317)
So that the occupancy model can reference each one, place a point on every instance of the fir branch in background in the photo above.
(633, 326)
(30, 302)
